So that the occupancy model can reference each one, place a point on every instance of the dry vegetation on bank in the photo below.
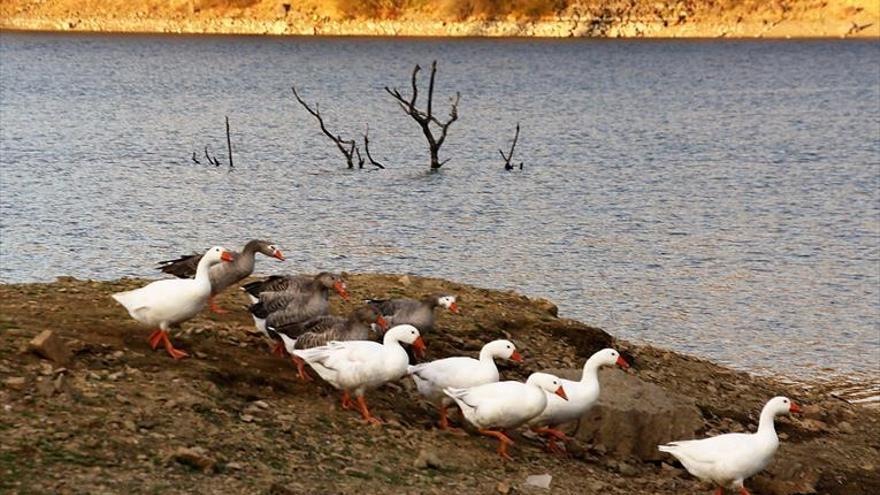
(119, 418)
(550, 18)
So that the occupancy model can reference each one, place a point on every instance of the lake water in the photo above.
(715, 197)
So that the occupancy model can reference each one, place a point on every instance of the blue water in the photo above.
(716, 197)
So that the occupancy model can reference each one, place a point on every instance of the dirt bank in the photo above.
(534, 18)
(120, 418)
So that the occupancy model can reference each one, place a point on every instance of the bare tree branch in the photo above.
(347, 147)
(367, 148)
(509, 156)
(426, 118)
(228, 142)
(212, 161)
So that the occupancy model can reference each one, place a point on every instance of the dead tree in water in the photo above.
(426, 118)
(509, 156)
(212, 161)
(367, 148)
(347, 147)
(228, 142)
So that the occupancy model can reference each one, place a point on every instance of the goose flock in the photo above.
(293, 312)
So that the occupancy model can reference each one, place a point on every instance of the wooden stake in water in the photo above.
(228, 142)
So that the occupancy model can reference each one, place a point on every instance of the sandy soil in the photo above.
(587, 18)
(118, 417)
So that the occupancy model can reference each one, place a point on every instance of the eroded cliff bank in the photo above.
(523, 18)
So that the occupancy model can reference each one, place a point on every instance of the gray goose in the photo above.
(279, 291)
(418, 313)
(324, 329)
(224, 274)
(303, 298)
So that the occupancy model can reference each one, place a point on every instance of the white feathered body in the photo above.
(582, 395)
(356, 365)
(507, 404)
(455, 372)
(725, 459)
(165, 303)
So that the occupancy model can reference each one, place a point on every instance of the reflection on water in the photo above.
(717, 198)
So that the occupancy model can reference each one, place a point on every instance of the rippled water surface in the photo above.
(719, 198)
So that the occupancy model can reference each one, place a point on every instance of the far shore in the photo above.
(554, 29)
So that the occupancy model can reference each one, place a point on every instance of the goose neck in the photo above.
(591, 371)
(766, 426)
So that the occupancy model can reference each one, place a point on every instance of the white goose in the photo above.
(167, 303)
(356, 366)
(727, 460)
(582, 395)
(460, 372)
(503, 405)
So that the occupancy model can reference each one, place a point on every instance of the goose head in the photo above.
(270, 250)
(369, 315)
(217, 254)
(549, 383)
(407, 334)
(503, 349)
(333, 281)
(782, 405)
(447, 302)
(609, 357)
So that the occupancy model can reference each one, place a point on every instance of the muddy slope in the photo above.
(118, 417)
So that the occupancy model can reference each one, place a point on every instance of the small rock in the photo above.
(502, 487)
(234, 466)
(48, 345)
(627, 470)
(427, 459)
(404, 280)
(814, 425)
(539, 480)
(247, 418)
(547, 306)
(261, 404)
(846, 427)
(15, 382)
(813, 411)
(195, 457)
(118, 354)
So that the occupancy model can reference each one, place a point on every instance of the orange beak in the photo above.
(794, 409)
(340, 289)
(278, 254)
(419, 347)
(454, 308)
(622, 362)
(226, 256)
(382, 322)
(516, 357)
(560, 392)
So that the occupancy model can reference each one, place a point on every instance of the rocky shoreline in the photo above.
(798, 19)
(87, 407)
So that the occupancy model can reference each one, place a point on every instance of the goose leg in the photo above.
(214, 307)
(369, 418)
(444, 422)
(175, 353)
(278, 349)
(301, 369)
(719, 491)
(346, 400)
(155, 338)
(504, 439)
(552, 435)
(743, 491)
